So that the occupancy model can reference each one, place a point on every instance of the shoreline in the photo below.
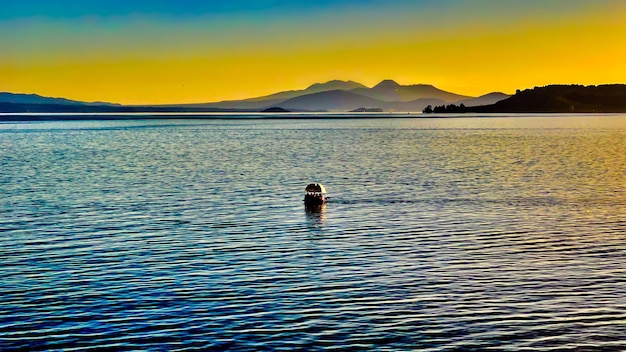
(25, 117)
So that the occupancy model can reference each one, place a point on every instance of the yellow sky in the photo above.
(142, 63)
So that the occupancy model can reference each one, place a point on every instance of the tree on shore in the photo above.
(445, 109)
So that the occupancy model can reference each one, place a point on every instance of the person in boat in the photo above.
(315, 194)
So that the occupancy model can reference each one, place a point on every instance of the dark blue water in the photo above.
(441, 235)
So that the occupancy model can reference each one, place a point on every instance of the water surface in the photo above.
(441, 234)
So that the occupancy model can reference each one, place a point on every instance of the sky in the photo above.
(191, 51)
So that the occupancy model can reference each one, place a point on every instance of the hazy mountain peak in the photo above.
(487, 99)
(334, 85)
(331, 100)
(387, 83)
(422, 85)
(21, 98)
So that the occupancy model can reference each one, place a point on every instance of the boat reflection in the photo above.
(316, 214)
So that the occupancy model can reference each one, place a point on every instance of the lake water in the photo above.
(451, 234)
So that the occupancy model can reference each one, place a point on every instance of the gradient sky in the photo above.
(183, 51)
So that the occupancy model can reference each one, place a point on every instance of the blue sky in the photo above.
(13, 9)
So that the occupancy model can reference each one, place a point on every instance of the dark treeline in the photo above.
(609, 98)
(445, 109)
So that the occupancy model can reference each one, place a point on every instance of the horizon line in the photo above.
(293, 90)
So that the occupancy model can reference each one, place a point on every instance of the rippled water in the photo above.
(441, 235)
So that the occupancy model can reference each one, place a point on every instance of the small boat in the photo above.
(315, 194)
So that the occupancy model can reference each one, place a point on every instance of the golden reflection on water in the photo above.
(434, 236)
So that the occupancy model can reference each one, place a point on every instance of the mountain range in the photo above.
(333, 96)
(38, 99)
(336, 96)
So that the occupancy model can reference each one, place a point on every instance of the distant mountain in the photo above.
(486, 99)
(80, 108)
(38, 99)
(277, 98)
(367, 110)
(386, 91)
(416, 105)
(609, 98)
(387, 95)
(56, 108)
(333, 85)
(340, 100)
(334, 100)
(549, 99)
(247, 104)
(334, 95)
(389, 90)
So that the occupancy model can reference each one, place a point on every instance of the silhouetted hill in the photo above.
(277, 98)
(391, 91)
(275, 109)
(78, 108)
(367, 110)
(17, 98)
(421, 91)
(334, 100)
(562, 99)
(386, 91)
(229, 105)
(387, 95)
(56, 108)
(340, 100)
(333, 85)
(387, 84)
(391, 97)
(486, 99)
(416, 105)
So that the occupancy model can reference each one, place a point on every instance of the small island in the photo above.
(275, 109)
(367, 110)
